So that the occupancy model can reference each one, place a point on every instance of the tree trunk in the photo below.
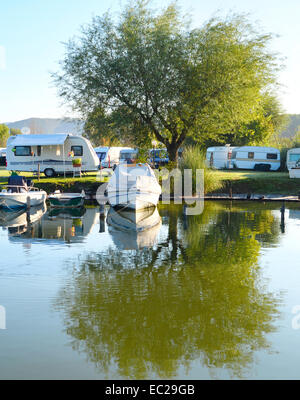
(173, 152)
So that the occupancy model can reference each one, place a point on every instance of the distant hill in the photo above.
(75, 126)
(293, 125)
(49, 125)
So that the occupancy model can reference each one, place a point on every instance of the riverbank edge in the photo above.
(253, 187)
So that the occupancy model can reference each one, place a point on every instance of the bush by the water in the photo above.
(194, 158)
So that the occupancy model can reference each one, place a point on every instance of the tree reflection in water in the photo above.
(197, 295)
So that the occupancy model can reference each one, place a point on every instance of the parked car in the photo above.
(3, 157)
(158, 157)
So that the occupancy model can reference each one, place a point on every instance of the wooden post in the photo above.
(282, 211)
(185, 220)
(102, 218)
(28, 203)
(39, 171)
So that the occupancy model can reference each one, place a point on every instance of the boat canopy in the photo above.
(40, 140)
(137, 176)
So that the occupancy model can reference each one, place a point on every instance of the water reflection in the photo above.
(20, 222)
(54, 226)
(195, 295)
(132, 230)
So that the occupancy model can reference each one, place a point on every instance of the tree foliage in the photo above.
(4, 135)
(173, 82)
(15, 131)
(116, 128)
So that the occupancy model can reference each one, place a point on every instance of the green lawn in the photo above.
(89, 181)
(258, 182)
(240, 182)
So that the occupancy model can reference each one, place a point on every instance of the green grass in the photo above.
(88, 182)
(257, 182)
(240, 181)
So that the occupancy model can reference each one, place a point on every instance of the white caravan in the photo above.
(219, 157)
(292, 157)
(51, 154)
(109, 157)
(257, 158)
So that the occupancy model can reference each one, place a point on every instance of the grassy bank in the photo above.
(239, 181)
(89, 182)
(256, 182)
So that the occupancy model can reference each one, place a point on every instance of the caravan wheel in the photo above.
(49, 172)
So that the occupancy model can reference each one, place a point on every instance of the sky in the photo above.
(32, 33)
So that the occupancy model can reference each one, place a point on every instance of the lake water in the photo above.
(197, 297)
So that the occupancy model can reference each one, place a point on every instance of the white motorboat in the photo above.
(132, 230)
(20, 194)
(133, 187)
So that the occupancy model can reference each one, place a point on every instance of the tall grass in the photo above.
(194, 158)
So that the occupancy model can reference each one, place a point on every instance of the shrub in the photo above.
(194, 158)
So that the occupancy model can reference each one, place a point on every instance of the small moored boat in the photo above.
(133, 187)
(20, 194)
(66, 200)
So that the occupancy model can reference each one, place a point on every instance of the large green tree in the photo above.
(4, 135)
(174, 81)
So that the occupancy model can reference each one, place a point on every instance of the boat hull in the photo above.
(133, 201)
(74, 202)
(18, 201)
(134, 187)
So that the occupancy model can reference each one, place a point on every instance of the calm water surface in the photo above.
(209, 296)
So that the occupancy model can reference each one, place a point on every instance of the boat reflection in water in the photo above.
(21, 222)
(133, 230)
(59, 225)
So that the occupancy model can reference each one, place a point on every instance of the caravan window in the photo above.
(294, 157)
(271, 156)
(23, 151)
(77, 150)
(251, 154)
